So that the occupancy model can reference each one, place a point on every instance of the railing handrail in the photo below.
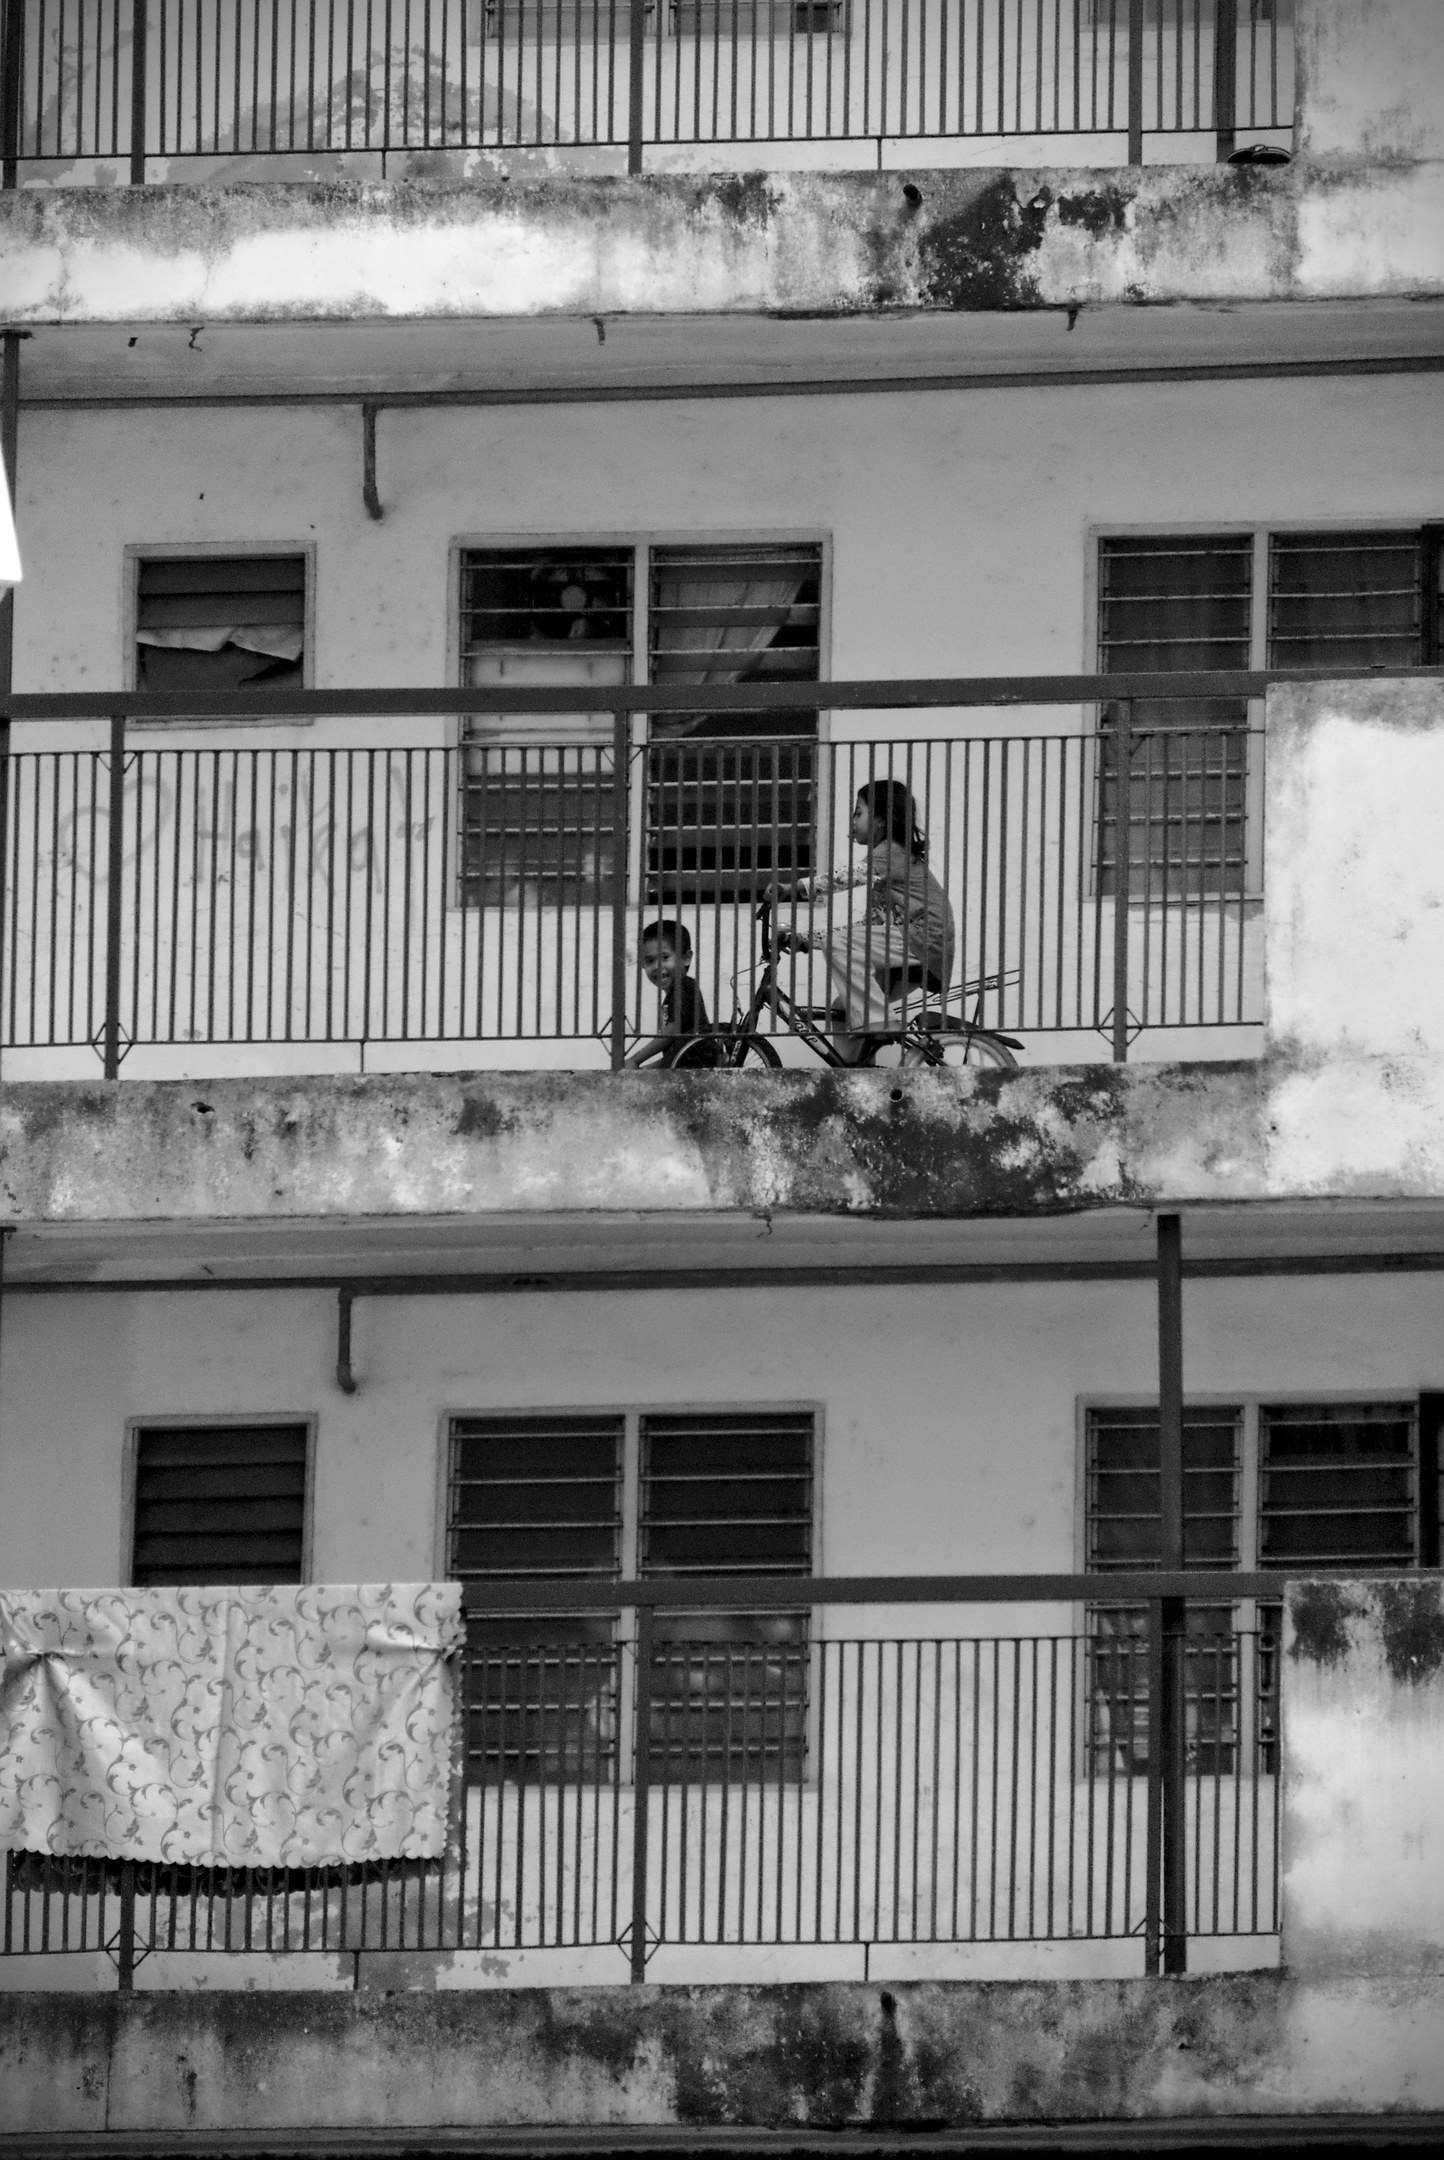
(747, 1593)
(888, 693)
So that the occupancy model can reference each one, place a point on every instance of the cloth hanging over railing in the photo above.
(288, 1726)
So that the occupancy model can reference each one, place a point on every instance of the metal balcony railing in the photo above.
(124, 81)
(723, 1762)
(301, 890)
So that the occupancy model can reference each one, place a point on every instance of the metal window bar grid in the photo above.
(128, 80)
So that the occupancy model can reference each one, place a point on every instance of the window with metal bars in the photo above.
(1364, 598)
(220, 622)
(744, 20)
(538, 1496)
(731, 796)
(1164, 604)
(537, 799)
(219, 1503)
(1124, 1532)
(728, 1494)
(1338, 1485)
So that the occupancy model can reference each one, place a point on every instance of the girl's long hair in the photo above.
(890, 801)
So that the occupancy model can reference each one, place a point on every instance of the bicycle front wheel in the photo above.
(722, 1051)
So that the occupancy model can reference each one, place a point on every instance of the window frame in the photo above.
(631, 1413)
(137, 552)
(213, 1421)
(642, 541)
(1262, 532)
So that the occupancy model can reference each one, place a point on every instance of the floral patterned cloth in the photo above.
(273, 1727)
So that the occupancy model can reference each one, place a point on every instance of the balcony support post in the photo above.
(1225, 79)
(9, 438)
(1122, 728)
(1135, 82)
(621, 852)
(636, 81)
(138, 62)
(641, 1792)
(12, 68)
(115, 877)
(1168, 1616)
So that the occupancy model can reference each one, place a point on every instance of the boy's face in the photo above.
(662, 964)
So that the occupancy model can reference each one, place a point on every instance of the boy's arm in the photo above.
(650, 1049)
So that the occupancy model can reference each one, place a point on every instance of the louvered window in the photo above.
(1338, 1486)
(724, 816)
(534, 1497)
(1166, 604)
(219, 1504)
(220, 622)
(537, 793)
(1346, 599)
(728, 1495)
(746, 20)
(1123, 1532)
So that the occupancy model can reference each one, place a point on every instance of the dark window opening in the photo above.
(726, 811)
(209, 623)
(1166, 604)
(219, 1504)
(1338, 1486)
(538, 1497)
(728, 1494)
(537, 810)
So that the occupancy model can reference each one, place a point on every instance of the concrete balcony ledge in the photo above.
(659, 245)
(866, 1145)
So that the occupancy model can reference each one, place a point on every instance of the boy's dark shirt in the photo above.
(685, 1014)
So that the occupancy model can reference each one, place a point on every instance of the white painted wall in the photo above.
(958, 522)
(949, 1416)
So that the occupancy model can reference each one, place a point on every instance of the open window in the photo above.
(209, 623)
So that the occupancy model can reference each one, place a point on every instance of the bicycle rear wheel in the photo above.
(973, 1047)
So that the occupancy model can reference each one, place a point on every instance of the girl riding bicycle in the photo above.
(901, 934)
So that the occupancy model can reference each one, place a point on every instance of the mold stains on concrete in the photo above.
(1097, 210)
(1411, 1629)
(978, 255)
(1321, 1614)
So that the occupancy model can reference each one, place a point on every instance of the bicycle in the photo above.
(924, 1036)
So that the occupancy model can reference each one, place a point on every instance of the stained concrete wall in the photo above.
(1363, 1840)
(669, 245)
(1370, 80)
(1354, 955)
(698, 2060)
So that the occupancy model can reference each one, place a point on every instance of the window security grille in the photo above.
(1354, 599)
(219, 1504)
(538, 1496)
(723, 819)
(220, 622)
(745, 20)
(728, 1495)
(537, 791)
(1338, 1486)
(1123, 1529)
(1164, 604)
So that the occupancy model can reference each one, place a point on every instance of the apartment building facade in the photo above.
(491, 485)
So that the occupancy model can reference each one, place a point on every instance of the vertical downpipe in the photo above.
(1171, 1617)
(1122, 730)
(636, 81)
(1225, 78)
(138, 41)
(115, 873)
(621, 856)
(1135, 82)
